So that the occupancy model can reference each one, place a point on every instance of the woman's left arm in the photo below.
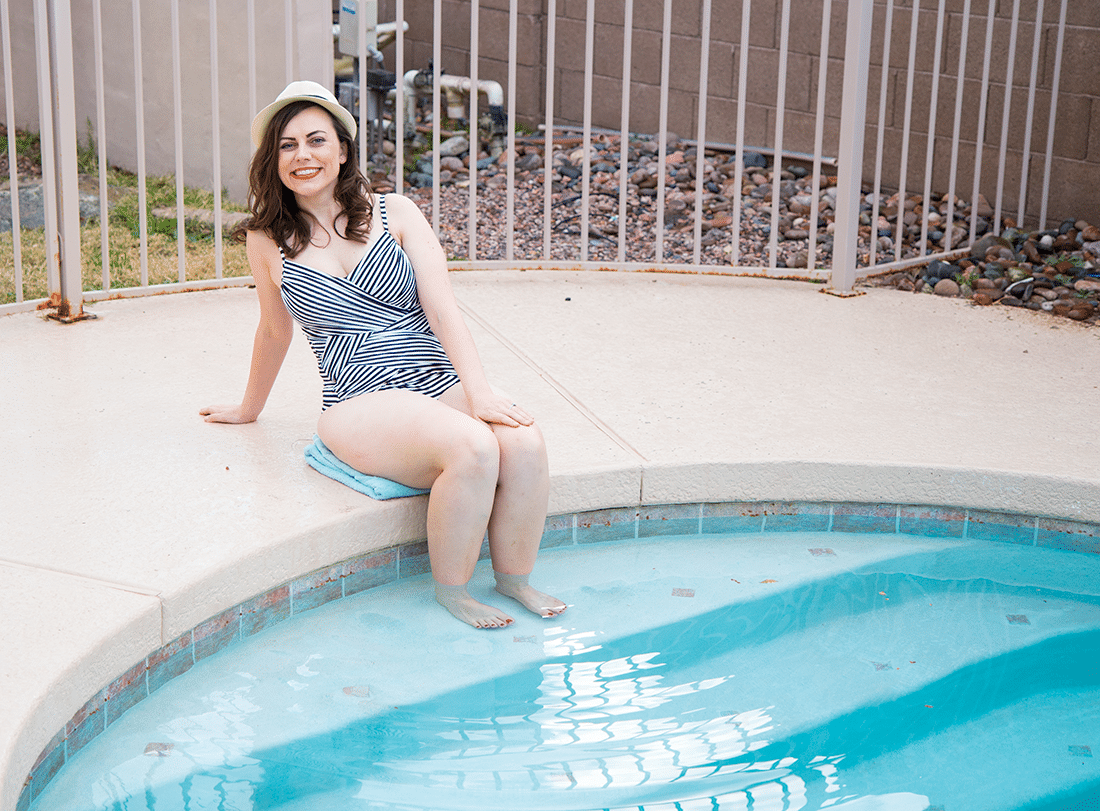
(412, 231)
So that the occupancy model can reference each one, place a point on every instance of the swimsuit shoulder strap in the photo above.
(382, 210)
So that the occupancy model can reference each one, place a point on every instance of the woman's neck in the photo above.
(324, 210)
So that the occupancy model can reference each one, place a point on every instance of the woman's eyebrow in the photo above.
(308, 135)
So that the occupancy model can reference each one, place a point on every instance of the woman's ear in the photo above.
(343, 152)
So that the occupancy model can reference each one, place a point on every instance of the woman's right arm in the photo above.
(273, 335)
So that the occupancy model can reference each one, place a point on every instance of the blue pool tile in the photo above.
(44, 769)
(1070, 536)
(412, 559)
(266, 609)
(1080, 751)
(733, 517)
(217, 632)
(369, 571)
(126, 691)
(1017, 619)
(170, 661)
(796, 516)
(316, 589)
(607, 525)
(865, 518)
(1003, 527)
(558, 531)
(89, 721)
(932, 522)
(668, 519)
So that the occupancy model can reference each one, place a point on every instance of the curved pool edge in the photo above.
(672, 499)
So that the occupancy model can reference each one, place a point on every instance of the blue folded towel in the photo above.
(323, 461)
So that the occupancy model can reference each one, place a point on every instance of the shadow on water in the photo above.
(655, 717)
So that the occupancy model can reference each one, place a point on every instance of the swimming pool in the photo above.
(778, 670)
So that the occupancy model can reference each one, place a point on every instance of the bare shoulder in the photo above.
(258, 242)
(402, 212)
(263, 256)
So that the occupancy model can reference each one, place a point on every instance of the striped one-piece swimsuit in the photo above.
(367, 329)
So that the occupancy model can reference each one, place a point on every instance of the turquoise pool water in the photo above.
(786, 671)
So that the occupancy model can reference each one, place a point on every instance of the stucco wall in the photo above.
(311, 55)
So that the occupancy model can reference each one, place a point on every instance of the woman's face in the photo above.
(310, 153)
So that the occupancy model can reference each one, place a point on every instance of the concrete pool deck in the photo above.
(128, 520)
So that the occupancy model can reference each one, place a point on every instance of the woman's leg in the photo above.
(519, 511)
(422, 442)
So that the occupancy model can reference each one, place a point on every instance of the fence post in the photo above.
(61, 187)
(853, 123)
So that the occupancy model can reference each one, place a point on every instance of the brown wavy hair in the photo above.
(274, 208)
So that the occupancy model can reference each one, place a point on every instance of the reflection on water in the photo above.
(727, 710)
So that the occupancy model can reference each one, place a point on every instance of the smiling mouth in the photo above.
(306, 174)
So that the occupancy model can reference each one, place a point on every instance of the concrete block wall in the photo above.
(1075, 167)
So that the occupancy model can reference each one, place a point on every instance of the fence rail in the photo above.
(866, 108)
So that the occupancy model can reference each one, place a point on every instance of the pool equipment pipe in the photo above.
(457, 89)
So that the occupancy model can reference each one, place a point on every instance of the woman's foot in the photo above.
(516, 587)
(464, 607)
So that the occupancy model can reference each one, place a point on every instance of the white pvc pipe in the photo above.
(493, 92)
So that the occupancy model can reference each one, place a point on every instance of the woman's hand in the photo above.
(493, 408)
(234, 414)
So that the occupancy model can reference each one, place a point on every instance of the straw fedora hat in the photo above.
(301, 91)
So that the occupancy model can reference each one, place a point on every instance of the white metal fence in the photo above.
(859, 154)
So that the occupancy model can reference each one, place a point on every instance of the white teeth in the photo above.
(305, 173)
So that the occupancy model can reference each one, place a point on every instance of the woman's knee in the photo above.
(475, 452)
(524, 443)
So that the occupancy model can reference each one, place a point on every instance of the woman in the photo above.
(405, 395)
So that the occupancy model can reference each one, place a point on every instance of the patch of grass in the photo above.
(27, 145)
(123, 232)
(124, 254)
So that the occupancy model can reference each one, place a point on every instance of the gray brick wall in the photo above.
(1075, 167)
